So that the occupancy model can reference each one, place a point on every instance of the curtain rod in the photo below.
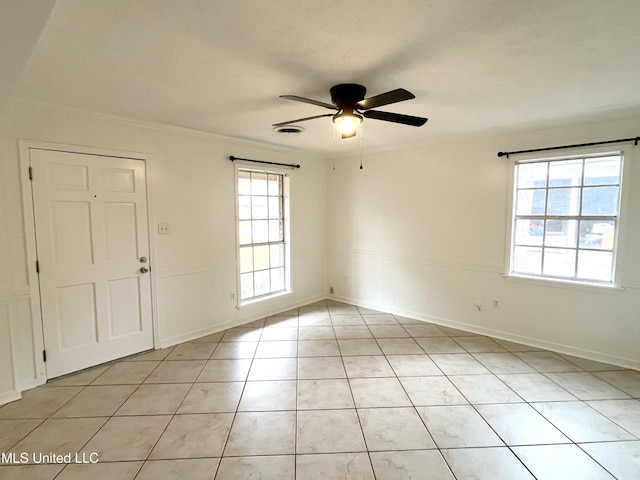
(635, 141)
(233, 159)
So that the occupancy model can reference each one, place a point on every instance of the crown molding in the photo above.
(162, 127)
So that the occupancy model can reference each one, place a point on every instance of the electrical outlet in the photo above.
(163, 228)
(496, 304)
(331, 290)
(232, 296)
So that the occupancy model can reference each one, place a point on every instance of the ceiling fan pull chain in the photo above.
(361, 142)
(334, 149)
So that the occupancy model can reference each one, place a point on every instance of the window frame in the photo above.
(240, 302)
(618, 241)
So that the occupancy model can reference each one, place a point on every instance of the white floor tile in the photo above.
(333, 391)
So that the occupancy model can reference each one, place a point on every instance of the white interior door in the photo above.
(91, 236)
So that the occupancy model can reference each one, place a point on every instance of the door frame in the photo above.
(25, 147)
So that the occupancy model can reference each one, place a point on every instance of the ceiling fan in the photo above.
(348, 99)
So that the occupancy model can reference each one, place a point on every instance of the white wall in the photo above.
(420, 232)
(191, 187)
(423, 232)
(20, 26)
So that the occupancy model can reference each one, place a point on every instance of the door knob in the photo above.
(144, 269)
(143, 259)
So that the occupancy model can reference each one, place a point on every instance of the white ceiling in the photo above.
(219, 65)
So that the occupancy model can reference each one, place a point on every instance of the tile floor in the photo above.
(332, 391)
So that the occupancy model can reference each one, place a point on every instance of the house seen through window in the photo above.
(566, 218)
(262, 242)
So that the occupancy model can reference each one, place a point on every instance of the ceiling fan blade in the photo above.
(394, 96)
(301, 120)
(309, 100)
(395, 117)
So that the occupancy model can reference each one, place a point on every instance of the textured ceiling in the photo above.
(219, 66)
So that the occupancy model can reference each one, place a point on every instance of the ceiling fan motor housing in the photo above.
(347, 94)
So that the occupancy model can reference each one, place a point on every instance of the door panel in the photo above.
(71, 232)
(68, 177)
(120, 228)
(124, 307)
(118, 180)
(91, 230)
(75, 316)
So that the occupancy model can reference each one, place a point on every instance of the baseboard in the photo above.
(236, 322)
(529, 341)
(10, 396)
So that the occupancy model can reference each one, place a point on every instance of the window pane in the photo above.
(532, 175)
(275, 207)
(261, 280)
(258, 184)
(559, 262)
(259, 206)
(244, 231)
(244, 183)
(600, 201)
(563, 201)
(529, 232)
(275, 185)
(246, 259)
(275, 231)
(531, 202)
(527, 260)
(595, 234)
(561, 233)
(595, 265)
(244, 207)
(277, 279)
(246, 286)
(260, 231)
(277, 255)
(602, 171)
(261, 257)
(565, 173)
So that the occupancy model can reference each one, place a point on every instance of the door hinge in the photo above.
(30, 173)
(37, 266)
(44, 355)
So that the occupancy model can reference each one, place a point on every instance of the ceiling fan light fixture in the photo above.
(347, 122)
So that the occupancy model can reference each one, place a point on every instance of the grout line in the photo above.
(310, 359)
(295, 417)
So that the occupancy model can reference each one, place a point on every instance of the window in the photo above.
(262, 243)
(566, 217)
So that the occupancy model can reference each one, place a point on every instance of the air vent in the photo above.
(288, 130)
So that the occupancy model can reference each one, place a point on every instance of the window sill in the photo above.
(254, 301)
(560, 283)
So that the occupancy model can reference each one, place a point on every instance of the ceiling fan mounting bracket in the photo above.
(347, 94)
